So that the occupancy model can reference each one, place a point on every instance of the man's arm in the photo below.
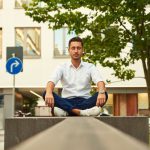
(101, 98)
(49, 99)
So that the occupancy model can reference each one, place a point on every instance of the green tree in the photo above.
(118, 30)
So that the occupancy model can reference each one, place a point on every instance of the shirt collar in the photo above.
(81, 64)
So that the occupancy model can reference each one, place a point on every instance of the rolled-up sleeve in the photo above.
(56, 76)
(95, 75)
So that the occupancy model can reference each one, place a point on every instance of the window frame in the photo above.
(30, 56)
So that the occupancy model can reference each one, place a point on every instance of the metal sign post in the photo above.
(14, 65)
(13, 93)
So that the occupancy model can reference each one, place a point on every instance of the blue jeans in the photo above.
(75, 103)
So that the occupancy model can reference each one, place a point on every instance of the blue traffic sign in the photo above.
(14, 65)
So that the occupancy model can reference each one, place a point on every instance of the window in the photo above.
(30, 40)
(0, 42)
(142, 101)
(61, 39)
(19, 3)
(1, 3)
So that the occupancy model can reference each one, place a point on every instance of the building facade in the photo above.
(43, 51)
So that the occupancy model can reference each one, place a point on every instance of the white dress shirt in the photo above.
(76, 82)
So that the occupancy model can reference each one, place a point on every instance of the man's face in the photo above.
(76, 50)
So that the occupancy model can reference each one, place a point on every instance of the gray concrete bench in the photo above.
(20, 129)
(76, 133)
(137, 127)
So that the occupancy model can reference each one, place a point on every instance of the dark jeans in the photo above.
(75, 103)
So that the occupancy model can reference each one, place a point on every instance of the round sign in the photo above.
(14, 65)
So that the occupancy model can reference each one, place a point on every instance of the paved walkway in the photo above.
(1, 139)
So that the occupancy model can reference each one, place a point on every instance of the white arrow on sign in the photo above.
(15, 64)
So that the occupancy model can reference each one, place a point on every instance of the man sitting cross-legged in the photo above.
(76, 77)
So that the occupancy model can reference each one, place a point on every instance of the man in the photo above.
(76, 77)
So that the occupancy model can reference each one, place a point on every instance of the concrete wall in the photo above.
(134, 126)
(82, 133)
(20, 129)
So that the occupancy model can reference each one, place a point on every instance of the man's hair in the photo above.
(75, 39)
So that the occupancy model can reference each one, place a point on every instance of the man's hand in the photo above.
(49, 99)
(101, 99)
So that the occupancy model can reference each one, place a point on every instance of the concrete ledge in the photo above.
(81, 133)
(137, 127)
(20, 129)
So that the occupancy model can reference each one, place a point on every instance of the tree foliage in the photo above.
(118, 30)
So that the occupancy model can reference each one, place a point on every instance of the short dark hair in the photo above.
(75, 39)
